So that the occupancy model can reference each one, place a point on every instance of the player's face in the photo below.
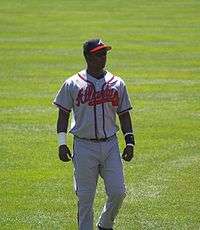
(99, 59)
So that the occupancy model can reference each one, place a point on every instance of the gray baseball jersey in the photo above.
(94, 103)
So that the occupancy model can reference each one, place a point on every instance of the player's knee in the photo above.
(86, 197)
(118, 194)
(121, 195)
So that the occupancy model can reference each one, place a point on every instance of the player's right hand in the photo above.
(64, 153)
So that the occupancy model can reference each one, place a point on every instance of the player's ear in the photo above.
(86, 55)
(88, 58)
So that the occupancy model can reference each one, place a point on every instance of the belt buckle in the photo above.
(104, 139)
(99, 139)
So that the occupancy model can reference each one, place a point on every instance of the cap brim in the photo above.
(98, 48)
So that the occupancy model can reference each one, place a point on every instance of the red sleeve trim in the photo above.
(61, 107)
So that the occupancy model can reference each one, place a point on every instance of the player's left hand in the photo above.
(128, 153)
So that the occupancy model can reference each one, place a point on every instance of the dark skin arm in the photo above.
(62, 125)
(126, 127)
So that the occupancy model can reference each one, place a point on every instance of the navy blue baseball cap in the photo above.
(95, 45)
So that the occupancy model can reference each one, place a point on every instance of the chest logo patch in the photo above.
(92, 97)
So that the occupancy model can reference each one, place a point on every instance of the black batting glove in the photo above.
(128, 153)
(64, 153)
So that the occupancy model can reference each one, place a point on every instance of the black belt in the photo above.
(100, 139)
(97, 140)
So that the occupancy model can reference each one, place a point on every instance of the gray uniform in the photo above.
(95, 103)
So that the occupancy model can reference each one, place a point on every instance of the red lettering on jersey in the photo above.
(92, 97)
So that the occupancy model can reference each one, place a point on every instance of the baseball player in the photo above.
(95, 97)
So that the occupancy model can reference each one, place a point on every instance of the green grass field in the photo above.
(156, 50)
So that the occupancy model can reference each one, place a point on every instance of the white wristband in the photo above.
(130, 144)
(127, 134)
(62, 138)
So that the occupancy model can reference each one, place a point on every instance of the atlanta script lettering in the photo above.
(92, 97)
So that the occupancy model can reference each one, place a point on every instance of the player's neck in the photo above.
(96, 74)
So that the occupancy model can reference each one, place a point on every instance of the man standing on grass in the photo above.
(95, 97)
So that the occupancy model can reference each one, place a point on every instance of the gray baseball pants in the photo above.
(91, 159)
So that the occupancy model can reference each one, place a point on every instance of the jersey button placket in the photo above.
(98, 114)
(97, 87)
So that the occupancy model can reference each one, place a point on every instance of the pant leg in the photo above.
(112, 174)
(86, 170)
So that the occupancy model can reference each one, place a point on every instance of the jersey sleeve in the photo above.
(63, 99)
(124, 101)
